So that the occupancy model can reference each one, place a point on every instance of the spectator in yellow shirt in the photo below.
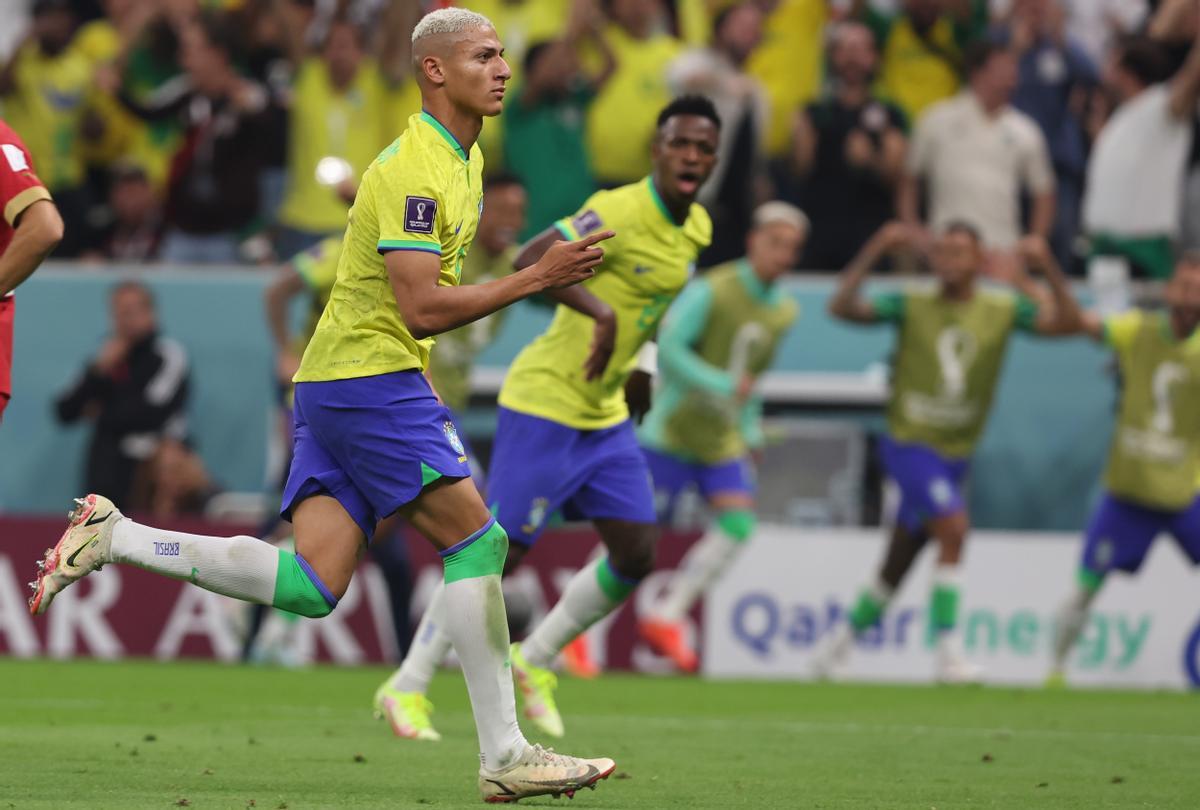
(622, 120)
(44, 90)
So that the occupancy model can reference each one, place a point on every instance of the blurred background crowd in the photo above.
(221, 131)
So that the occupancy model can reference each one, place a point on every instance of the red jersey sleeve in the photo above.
(19, 186)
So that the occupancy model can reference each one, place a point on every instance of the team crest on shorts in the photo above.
(452, 436)
(537, 515)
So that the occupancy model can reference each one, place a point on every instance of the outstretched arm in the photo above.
(578, 298)
(847, 302)
(1185, 87)
(1063, 316)
(429, 308)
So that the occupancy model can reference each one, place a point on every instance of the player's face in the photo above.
(853, 56)
(132, 314)
(956, 258)
(773, 249)
(503, 217)
(476, 73)
(685, 152)
(1183, 296)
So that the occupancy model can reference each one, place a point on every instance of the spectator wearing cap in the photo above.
(544, 123)
(1055, 79)
(922, 48)
(975, 155)
(44, 88)
(213, 184)
(133, 227)
(718, 72)
(1133, 199)
(849, 150)
(621, 121)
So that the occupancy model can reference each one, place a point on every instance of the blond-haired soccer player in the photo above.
(371, 437)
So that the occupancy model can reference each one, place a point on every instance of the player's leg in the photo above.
(475, 619)
(729, 492)
(240, 567)
(1118, 537)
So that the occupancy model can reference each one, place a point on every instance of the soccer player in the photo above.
(564, 438)
(371, 437)
(715, 341)
(1153, 470)
(950, 349)
(30, 230)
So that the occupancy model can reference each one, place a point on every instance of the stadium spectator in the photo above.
(1099, 24)
(849, 150)
(337, 126)
(134, 390)
(135, 220)
(718, 72)
(544, 122)
(1055, 77)
(621, 121)
(213, 190)
(976, 153)
(1133, 200)
(44, 89)
(922, 48)
(173, 482)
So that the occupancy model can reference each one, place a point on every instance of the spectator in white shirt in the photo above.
(975, 154)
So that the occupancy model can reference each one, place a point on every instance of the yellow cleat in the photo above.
(537, 687)
(1057, 679)
(408, 713)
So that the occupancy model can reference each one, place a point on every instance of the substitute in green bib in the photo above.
(714, 344)
(1153, 474)
(951, 341)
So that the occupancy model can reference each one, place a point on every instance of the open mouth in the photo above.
(687, 182)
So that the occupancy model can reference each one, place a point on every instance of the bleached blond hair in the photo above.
(449, 21)
(777, 211)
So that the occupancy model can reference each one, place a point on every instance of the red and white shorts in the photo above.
(7, 305)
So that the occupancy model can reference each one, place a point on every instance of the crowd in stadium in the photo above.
(235, 130)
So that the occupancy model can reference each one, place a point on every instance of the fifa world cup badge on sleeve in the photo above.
(418, 214)
(586, 222)
(452, 437)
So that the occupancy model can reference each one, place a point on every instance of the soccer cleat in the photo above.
(669, 639)
(953, 668)
(407, 712)
(83, 548)
(834, 652)
(537, 687)
(541, 772)
(1057, 679)
(577, 658)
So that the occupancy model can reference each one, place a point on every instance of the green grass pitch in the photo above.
(148, 735)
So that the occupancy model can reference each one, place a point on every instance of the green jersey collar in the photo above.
(445, 133)
(659, 204)
(767, 293)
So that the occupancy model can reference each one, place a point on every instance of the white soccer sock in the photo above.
(710, 557)
(582, 604)
(476, 623)
(242, 567)
(428, 649)
(1071, 619)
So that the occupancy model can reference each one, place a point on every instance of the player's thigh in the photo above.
(1118, 536)
(669, 476)
(728, 486)
(534, 469)
(447, 512)
(1185, 528)
(329, 539)
(931, 487)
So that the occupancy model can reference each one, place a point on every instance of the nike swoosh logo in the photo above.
(93, 520)
(638, 269)
(507, 790)
(459, 228)
(88, 544)
(583, 781)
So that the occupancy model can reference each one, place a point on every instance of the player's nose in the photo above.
(505, 72)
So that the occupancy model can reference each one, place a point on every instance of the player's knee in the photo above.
(738, 524)
(636, 559)
(516, 553)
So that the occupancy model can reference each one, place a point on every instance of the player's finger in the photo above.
(593, 238)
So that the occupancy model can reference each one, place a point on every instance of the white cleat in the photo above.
(83, 548)
(541, 772)
(953, 668)
(831, 656)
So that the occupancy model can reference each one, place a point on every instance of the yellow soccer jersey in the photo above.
(645, 266)
(422, 193)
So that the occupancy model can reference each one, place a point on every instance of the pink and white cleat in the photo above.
(83, 548)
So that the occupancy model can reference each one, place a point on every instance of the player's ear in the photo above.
(431, 66)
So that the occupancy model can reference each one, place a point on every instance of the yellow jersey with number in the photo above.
(423, 193)
(645, 266)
